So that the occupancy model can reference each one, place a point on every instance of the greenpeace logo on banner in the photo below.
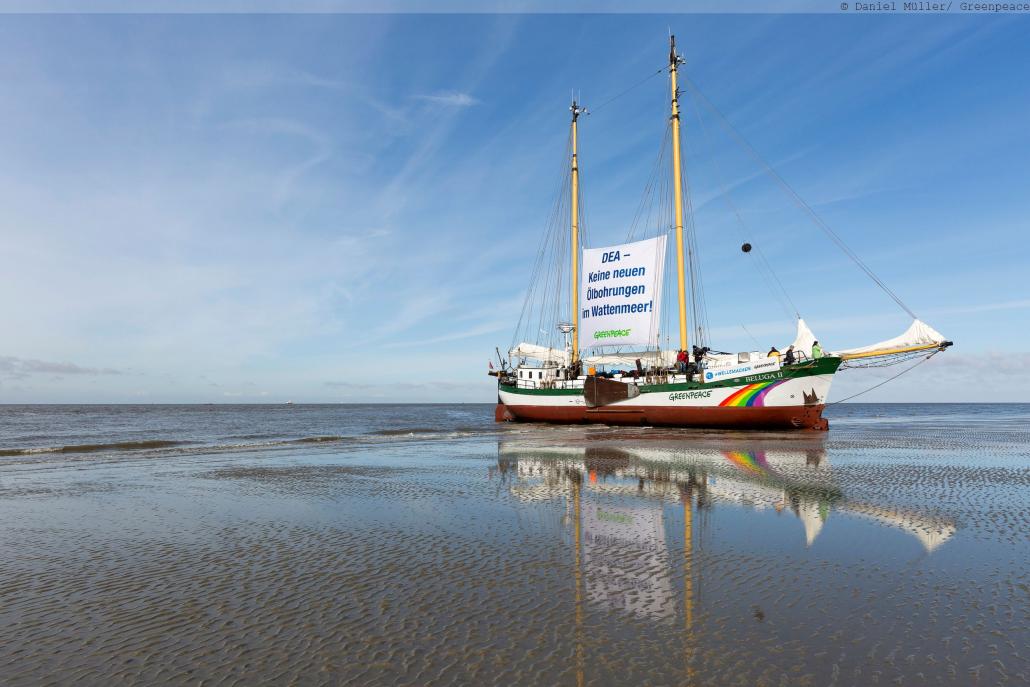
(612, 333)
(620, 294)
(713, 375)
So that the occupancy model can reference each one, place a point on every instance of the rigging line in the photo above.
(699, 314)
(530, 309)
(582, 233)
(798, 199)
(552, 237)
(548, 238)
(642, 216)
(619, 95)
(763, 261)
(891, 379)
(757, 345)
(551, 312)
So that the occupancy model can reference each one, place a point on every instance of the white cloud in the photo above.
(450, 98)
(18, 368)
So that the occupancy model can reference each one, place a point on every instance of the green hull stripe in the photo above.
(822, 366)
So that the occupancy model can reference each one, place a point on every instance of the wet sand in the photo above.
(875, 555)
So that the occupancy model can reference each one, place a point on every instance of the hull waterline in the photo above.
(780, 417)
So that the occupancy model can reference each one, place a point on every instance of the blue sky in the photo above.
(346, 207)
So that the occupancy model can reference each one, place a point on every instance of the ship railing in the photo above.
(800, 358)
(549, 383)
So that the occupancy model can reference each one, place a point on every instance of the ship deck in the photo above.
(668, 382)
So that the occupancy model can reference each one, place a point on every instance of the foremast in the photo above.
(677, 184)
(574, 280)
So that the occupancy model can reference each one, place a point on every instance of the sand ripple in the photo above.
(480, 568)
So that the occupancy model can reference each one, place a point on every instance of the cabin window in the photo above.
(540, 375)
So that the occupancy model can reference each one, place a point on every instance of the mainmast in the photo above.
(574, 281)
(677, 183)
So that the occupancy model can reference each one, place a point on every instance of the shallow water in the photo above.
(427, 545)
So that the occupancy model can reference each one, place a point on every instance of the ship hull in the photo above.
(783, 417)
(790, 399)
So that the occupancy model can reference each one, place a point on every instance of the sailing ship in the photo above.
(612, 367)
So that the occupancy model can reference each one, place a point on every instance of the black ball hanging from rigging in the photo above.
(746, 248)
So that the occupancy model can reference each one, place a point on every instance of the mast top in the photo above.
(674, 59)
(576, 110)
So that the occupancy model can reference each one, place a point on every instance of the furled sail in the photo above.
(537, 352)
(804, 339)
(920, 336)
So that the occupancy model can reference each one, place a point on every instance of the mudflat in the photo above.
(428, 545)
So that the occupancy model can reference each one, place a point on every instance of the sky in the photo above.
(346, 208)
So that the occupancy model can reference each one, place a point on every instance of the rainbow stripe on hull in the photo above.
(751, 396)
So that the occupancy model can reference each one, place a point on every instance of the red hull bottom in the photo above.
(784, 417)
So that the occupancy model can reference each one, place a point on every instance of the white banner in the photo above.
(715, 374)
(620, 295)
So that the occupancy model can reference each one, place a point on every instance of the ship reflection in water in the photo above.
(646, 544)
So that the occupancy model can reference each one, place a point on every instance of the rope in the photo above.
(796, 198)
(645, 210)
(631, 88)
(766, 271)
(757, 345)
(891, 379)
(543, 297)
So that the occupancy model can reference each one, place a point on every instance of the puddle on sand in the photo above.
(549, 560)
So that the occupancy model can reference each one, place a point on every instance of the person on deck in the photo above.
(681, 361)
(789, 358)
(699, 355)
(773, 353)
(817, 350)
